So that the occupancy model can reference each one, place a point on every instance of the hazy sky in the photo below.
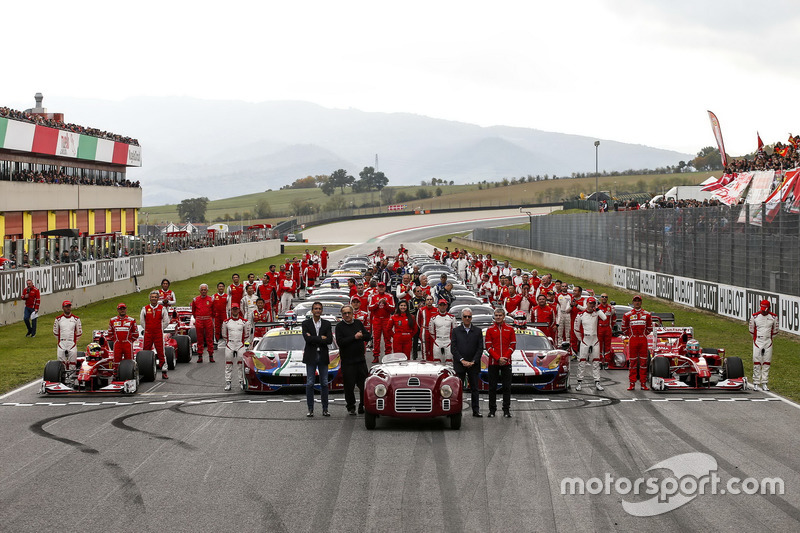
(635, 71)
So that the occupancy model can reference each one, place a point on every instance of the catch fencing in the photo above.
(717, 244)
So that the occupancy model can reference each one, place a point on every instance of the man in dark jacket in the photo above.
(318, 334)
(352, 337)
(467, 347)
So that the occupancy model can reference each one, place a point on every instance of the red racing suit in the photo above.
(403, 331)
(547, 315)
(220, 313)
(203, 312)
(381, 315)
(235, 293)
(323, 260)
(424, 316)
(501, 341)
(637, 325)
(259, 316)
(604, 331)
(167, 297)
(122, 331)
(154, 320)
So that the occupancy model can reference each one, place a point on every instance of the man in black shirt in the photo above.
(352, 337)
(467, 348)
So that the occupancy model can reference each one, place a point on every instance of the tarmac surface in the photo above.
(182, 455)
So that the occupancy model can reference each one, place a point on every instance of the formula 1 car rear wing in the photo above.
(665, 317)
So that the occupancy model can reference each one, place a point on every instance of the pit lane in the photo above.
(182, 455)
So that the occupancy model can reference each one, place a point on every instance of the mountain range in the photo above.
(219, 149)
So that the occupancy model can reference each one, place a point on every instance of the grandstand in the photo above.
(61, 179)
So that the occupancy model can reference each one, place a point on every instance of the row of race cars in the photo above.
(396, 386)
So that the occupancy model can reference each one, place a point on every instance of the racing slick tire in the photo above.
(127, 370)
(734, 368)
(169, 354)
(659, 367)
(184, 348)
(54, 371)
(193, 335)
(370, 420)
(455, 421)
(146, 359)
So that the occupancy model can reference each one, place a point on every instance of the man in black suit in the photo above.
(318, 334)
(467, 347)
(352, 337)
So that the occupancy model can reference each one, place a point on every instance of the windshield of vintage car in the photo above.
(532, 343)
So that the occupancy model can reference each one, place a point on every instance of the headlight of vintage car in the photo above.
(380, 390)
(446, 391)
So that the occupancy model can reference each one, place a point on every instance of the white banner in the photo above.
(790, 314)
(730, 194)
(134, 156)
(759, 190)
(684, 291)
(647, 283)
(19, 136)
(732, 302)
(42, 278)
(87, 274)
(122, 268)
(67, 144)
(619, 276)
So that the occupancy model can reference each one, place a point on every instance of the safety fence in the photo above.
(727, 245)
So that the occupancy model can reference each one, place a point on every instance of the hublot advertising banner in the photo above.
(87, 276)
(122, 268)
(665, 286)
(754, 302)
(64, 277)
(790, 314)
(706, 296)
(632, 280)
(647, 283)
(731, 301)
(105, 271)
(42, 278)
(137, 266)
(619, 276)
(11, 285)
(684, 291)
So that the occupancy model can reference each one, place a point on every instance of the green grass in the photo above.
(710, 329)
(543, 191)
(22, 359)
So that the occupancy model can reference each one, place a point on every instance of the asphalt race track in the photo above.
(182, 455)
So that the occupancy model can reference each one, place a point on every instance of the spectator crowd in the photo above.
(783, 157)
(61, 177)
(74, 128)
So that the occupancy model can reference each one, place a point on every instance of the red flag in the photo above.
(792, 141)
(760, 143)
(718, 135)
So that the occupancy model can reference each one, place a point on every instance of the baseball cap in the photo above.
(65, 303)
(636, 297)
(591, 299)
(442, 301)
(765, 304)
(381, 284)
(121, 306)
(235, 305)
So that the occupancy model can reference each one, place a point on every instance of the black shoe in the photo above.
(490, 415)
(361, 409)
(506, 413)
(200, 359)
(351, 411)
(211, 359)
(477, 415)
(310, 414)
(27, 334)
(33, 335)
(325, 413)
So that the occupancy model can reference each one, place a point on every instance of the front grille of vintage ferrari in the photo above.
(413, 401)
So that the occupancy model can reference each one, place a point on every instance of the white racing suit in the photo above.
(763, 328)
(586, 331)
(441, 327)
(234, 333)
(564, 307)
(68, 330)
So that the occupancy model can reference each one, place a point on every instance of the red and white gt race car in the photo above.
(679, 363)
(411, 389)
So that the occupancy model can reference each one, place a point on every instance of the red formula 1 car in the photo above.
(97, 372)
(617, 358)
(177, 344)
(411, 389)
(679, 363)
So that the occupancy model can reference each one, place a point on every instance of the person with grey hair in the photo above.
(467, 348)
(352, 337)
(203, 312)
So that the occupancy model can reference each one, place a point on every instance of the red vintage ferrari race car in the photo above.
(97, 372)
(679, 363)
(411, 389)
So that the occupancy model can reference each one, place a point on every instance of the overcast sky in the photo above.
(636, 71)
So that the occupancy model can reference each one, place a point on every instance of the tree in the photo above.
(402, 197)
(309, 182)
(335, 203)
(423, 193)
(341, 179)
(707, 159)
(369, 180)
(329, 187)
(263, 209)
(302, 207)
(193, 209)
(438, 191)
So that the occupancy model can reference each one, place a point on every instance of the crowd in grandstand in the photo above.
(42, 121)
(783, 157)
(60, 176)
